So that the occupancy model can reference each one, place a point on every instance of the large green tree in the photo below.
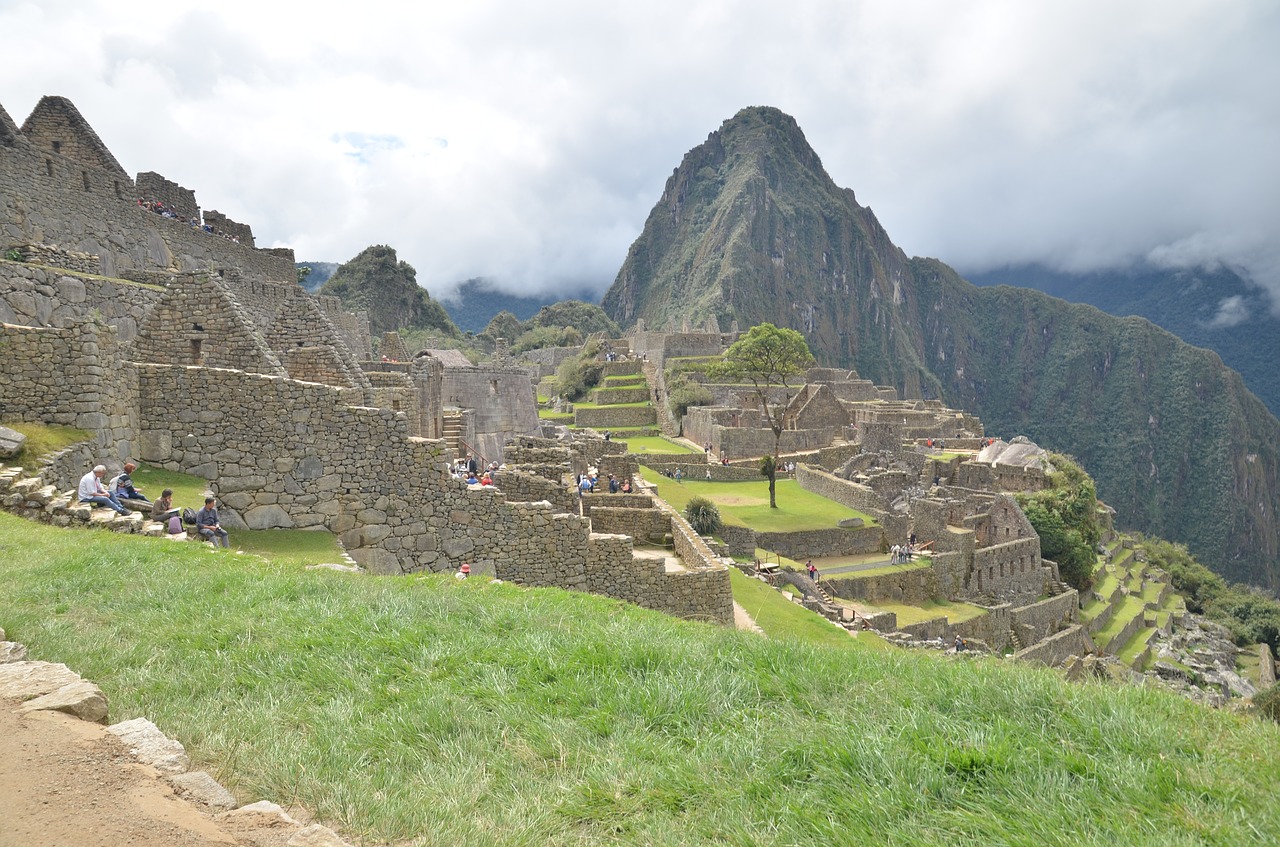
(771, 360)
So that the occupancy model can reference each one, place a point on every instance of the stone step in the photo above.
(131, 522)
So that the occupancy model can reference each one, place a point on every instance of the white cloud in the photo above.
(527, 142)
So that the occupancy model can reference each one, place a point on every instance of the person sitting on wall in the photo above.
(472, 479)
(122, 487)
(208, 526)
(162, 509)
(626, 486)
(486, 479)
(92, 491)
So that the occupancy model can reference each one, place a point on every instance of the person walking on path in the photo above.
(813, 571)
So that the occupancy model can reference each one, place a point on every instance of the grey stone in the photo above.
(316, 835)
(11, 651)
(151, 746)
(199, 787)
(11, 442)
(24, 680)
(262, 811)
(82, 699)
(268, 517)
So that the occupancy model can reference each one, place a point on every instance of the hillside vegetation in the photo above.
(376, 282)
(751, 228)
(435, 711)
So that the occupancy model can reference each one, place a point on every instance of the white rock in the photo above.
(151, 746)
(82, 699)
(24, 680)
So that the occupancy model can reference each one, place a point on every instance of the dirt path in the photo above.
(65, 782)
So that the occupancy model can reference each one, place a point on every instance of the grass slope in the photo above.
(469, 713)
(747, 503)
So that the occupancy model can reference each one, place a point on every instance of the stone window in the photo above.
(48, 166)
(57, 146)
(196, 354)
(117, 187)
(493, 386)
(84, 175)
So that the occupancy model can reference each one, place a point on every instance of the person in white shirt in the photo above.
(91, 490)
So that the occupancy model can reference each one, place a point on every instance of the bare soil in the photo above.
(68, 783)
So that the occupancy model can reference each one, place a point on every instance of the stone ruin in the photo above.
(201, 354)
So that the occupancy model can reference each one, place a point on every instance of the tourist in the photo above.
(679, 474)
(92, 491)
(813, 570)
(894, 553)
(959, 644)
(473, 466)
(472, 479)
(464, 571)
(208, 526)
(162, 509)
(613, 484)
(626, 486)
(708, 474)
(486, 479)
(122, 487)
(585, 486)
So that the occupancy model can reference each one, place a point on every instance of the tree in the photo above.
(768, 358)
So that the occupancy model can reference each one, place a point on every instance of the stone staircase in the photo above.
(452, 431)
(29, 497)
(1015, 641)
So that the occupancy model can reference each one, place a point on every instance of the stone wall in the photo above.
(646, 526)
(808, 544)
(182, 201)
(197, 322)
(501, 398)
(33, 295)
(76, 196)
(521, 486)
(1057, 648)
(842, 491)
(1011, 572)
(56, 257)
(913, 587)
(73, 377)
(614, 417)
(1040, 620)
(291, 454)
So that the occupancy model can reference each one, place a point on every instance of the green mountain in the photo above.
(320, 272)
(1208, 307)
(375, 282)
(478, 301)
(751, 228)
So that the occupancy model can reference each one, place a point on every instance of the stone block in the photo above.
(151, 747)
(82, 699)
(316, 835)
(11, 442)
(268, 517)
(11, 651)
(24, 680)
(199, 787)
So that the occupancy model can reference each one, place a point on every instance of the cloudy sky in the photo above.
(526, 142)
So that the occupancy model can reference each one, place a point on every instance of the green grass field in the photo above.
(954, 612)
(656, 445)
(43, 439)
(426, 711)
(747, 503)
(781, 618)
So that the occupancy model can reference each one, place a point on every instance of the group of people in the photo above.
(121, 490)
(160, 208)
(588, 483)
(469, 471)
(900, 554)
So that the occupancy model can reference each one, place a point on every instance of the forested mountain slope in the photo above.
(751, 228)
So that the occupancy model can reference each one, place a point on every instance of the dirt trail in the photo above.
(65, 782)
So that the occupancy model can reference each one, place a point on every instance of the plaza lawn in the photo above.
(747, 503)
(954, 612)
(656, 445)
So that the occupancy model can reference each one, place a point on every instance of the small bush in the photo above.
(1267, 703)
(575, 377)
(702, 515)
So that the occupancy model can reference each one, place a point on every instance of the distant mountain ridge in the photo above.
(751, 228)
(1209, 307)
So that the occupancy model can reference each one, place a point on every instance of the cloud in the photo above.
(1081, 135)
(1232, 311)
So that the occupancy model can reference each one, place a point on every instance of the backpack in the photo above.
(175, 525)
(189, 516)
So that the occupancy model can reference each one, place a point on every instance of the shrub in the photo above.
(683, 392)
(702, 515)
(1267, 703)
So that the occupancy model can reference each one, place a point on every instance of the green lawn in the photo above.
(42, 439)
(747, 503)
(426, 710)
(954, 612)
(1128, 653)
(656, 445)
(914, 565)
(781, 618)
(1129, 608)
